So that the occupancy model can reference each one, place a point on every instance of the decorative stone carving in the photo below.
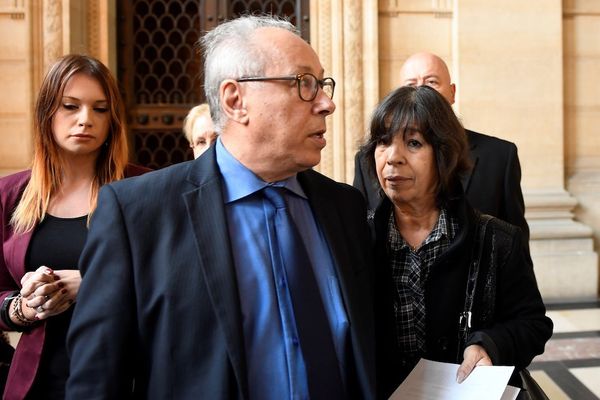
(321, 40)
(338, 34)
(93, 27)
(52, 31)
(353, 84)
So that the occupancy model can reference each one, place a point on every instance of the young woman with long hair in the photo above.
(80, 143)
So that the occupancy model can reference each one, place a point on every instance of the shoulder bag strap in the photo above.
(464, 321)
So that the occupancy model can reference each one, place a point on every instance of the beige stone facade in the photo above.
(526, 71)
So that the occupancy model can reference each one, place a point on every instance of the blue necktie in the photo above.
(322, 368)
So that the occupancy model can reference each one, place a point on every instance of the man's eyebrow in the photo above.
(308, 68)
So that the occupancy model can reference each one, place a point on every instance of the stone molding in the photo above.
(52, 32)
(557, 241)
(338, 35)
(439, 8)
(353, 85)
(93, 30)
(14, 9)
(573, 8)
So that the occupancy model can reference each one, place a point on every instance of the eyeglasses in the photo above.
(308, 84)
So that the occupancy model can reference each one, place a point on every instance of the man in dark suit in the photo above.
(186, 291)
(494, 184)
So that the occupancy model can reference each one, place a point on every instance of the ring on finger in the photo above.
(46, 297)
(40, 309)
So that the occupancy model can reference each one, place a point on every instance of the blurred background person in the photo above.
(80, 143)
(427, 237)
(199, 129)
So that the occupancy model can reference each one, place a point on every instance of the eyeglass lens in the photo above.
(309, 86)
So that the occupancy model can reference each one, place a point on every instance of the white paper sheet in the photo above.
(510, 393)
(432, 380)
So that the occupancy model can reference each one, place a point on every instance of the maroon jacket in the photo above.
(27, 356)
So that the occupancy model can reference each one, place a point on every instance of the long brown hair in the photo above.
(47, 166)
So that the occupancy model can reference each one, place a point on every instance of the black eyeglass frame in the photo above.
(321, 83)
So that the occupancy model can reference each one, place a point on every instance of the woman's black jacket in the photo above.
(508, 315)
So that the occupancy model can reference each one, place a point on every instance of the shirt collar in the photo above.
(443, 229)
(240, 182)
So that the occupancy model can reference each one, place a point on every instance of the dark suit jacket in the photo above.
(27, 356)
(159, 302)
(493, 186)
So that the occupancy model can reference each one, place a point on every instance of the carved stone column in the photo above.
(52, 32)
(101, 31)
(344, 35)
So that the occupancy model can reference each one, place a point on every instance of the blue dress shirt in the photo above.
(276, 367)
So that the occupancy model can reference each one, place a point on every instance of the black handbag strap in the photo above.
(531, 389)
(464, 321)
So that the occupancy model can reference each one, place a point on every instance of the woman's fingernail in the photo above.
(63, 291)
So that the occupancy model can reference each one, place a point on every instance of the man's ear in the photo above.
(453, 90)
(233, 102)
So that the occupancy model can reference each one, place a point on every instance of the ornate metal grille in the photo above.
(161, 148)
(293, 9)
(160, 69)
(166, 68)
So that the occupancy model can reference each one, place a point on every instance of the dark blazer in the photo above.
(512, 326)
(493, 186)
(159, 303)
(12, 268)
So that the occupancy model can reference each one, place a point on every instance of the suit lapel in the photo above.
(206, 211)
(474, 156)
(328, 218)
(326, 214)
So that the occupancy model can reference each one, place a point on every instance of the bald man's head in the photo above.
(428, 69)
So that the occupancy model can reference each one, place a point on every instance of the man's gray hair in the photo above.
(230, 53)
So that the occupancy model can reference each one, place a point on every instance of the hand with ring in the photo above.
(50, 292)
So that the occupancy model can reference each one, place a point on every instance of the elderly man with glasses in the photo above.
(244, 273)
